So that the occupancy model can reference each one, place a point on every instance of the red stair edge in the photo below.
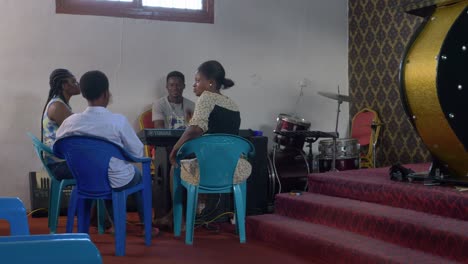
(349, 184)
(430, 233)
(316, 242)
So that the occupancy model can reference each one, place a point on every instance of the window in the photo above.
(173, 10)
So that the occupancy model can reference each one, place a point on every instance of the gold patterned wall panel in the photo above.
(378, 33)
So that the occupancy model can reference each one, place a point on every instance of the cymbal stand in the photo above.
(333, 165)
(374, 142)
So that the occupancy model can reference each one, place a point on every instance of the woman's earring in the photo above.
(211, 84)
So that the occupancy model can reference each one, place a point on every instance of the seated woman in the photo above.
(63, 86)
(214, 113)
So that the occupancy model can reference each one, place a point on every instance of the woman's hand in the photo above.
(190, 133)
(188, 116)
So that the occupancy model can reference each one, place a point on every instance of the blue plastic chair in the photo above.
(217, 156)
(12, 210)
(43, 237)
(88, 159)
(51, 249)
(56, 186)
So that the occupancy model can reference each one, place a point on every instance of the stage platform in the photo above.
(361, 216)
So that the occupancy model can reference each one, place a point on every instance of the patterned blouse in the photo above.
(49, 128)
(215, 113)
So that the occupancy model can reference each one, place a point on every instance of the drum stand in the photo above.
(340, 99)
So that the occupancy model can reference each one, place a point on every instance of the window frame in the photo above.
(135, 9)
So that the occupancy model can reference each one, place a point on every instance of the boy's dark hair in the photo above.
(93, 85)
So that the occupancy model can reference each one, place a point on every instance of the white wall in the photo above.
(266, 46)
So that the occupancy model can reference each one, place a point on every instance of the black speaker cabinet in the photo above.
(257, 183)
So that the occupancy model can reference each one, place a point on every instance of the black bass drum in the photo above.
(289, 170)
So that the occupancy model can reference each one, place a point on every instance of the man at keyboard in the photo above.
(173, 111)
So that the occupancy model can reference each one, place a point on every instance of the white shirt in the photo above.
(100, 122)
(174, 115)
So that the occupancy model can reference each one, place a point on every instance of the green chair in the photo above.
(56, 186)
(218, 155)
(56, 189)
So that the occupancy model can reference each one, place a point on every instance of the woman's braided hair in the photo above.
(56, 80)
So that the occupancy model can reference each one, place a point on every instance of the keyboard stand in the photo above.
(162, 199)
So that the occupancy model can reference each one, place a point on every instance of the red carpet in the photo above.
(359, 217)
(374, 185)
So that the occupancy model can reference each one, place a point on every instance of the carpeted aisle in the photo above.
(209, 247)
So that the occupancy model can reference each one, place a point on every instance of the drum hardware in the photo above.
(345, 152)
(288, 143)
(374, 126)
(309, 137)
(289, 123)
(340, 99)
(288, 152)
(289, 166)
(275, 171)
(272, 177)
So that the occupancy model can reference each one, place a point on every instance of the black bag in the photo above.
(399, 173)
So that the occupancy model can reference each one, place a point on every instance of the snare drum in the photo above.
(286, 122)
(347, 154)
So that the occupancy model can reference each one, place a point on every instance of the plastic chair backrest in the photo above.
(217, 156)
(12, 210)
(361, 128)
(51, 251)
(44, 237)
(42, 150)
(88, 159)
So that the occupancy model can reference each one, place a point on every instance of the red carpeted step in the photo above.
(374, 185)
(431, 233)
(317, 242)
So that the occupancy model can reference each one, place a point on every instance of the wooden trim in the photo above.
(135, 10)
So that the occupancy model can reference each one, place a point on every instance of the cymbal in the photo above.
(338, 97)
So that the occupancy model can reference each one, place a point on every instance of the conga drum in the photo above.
(346, 154)
(434, 83)
(290, 123)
